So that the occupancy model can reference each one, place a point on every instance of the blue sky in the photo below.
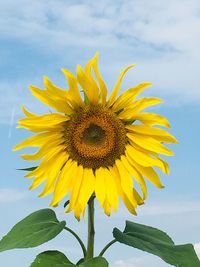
(38, 38)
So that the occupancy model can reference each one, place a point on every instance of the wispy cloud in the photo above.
(142, 261)
(10, 195)
(162, 37)
(167, 26)
(11, 122)
(170, 208)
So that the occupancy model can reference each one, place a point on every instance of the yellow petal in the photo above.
(115, 173)
(53, 173)
(150, 119)
(116, 176)
(100, 188)
(131, 208)
(143, 103)
(150, 174)
(137, 176)
(36, 172)
(74, 195)
(43, 150)
(87, 188)
(77, 212)
(64, 182)
(37, 181)
(38, 140)
(43, 167)
(145, 151)
(166, 165)
(88, 72)
(73, 88)
(53, 90)
(41, 173)
(107, 207)
(102, 85)
(116, 88)
(126, 99)
(138, 106)
(27, 113)
(126, 182)
(45, 122)
(149, 144)
(39, 128)
(47, 119)
(111, 189)
(138, 198)
(89, 87)
(157, 133)
(61, 105)
(143, 159)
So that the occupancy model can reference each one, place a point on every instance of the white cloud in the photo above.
(128, 263)
(162, 37)
(143, 261)
(170, 25)
(169, 208)
(10, 195)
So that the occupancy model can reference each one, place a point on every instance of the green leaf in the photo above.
(28, 169)
(80, 261)
(158, 243)
(36, 229)
(56, 258)
(66, 203)
(95, 262)
(51, 258)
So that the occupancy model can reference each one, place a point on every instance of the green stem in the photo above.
(79, 240)
(91, 230)
(107, 246)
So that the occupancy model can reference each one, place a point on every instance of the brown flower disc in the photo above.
(95, 137)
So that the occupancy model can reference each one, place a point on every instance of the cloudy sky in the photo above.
(38, 38)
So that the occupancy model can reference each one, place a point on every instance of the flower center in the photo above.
(95, 137)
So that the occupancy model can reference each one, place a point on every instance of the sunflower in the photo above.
(93, 145)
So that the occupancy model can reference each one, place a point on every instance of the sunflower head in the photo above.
(95, 145)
